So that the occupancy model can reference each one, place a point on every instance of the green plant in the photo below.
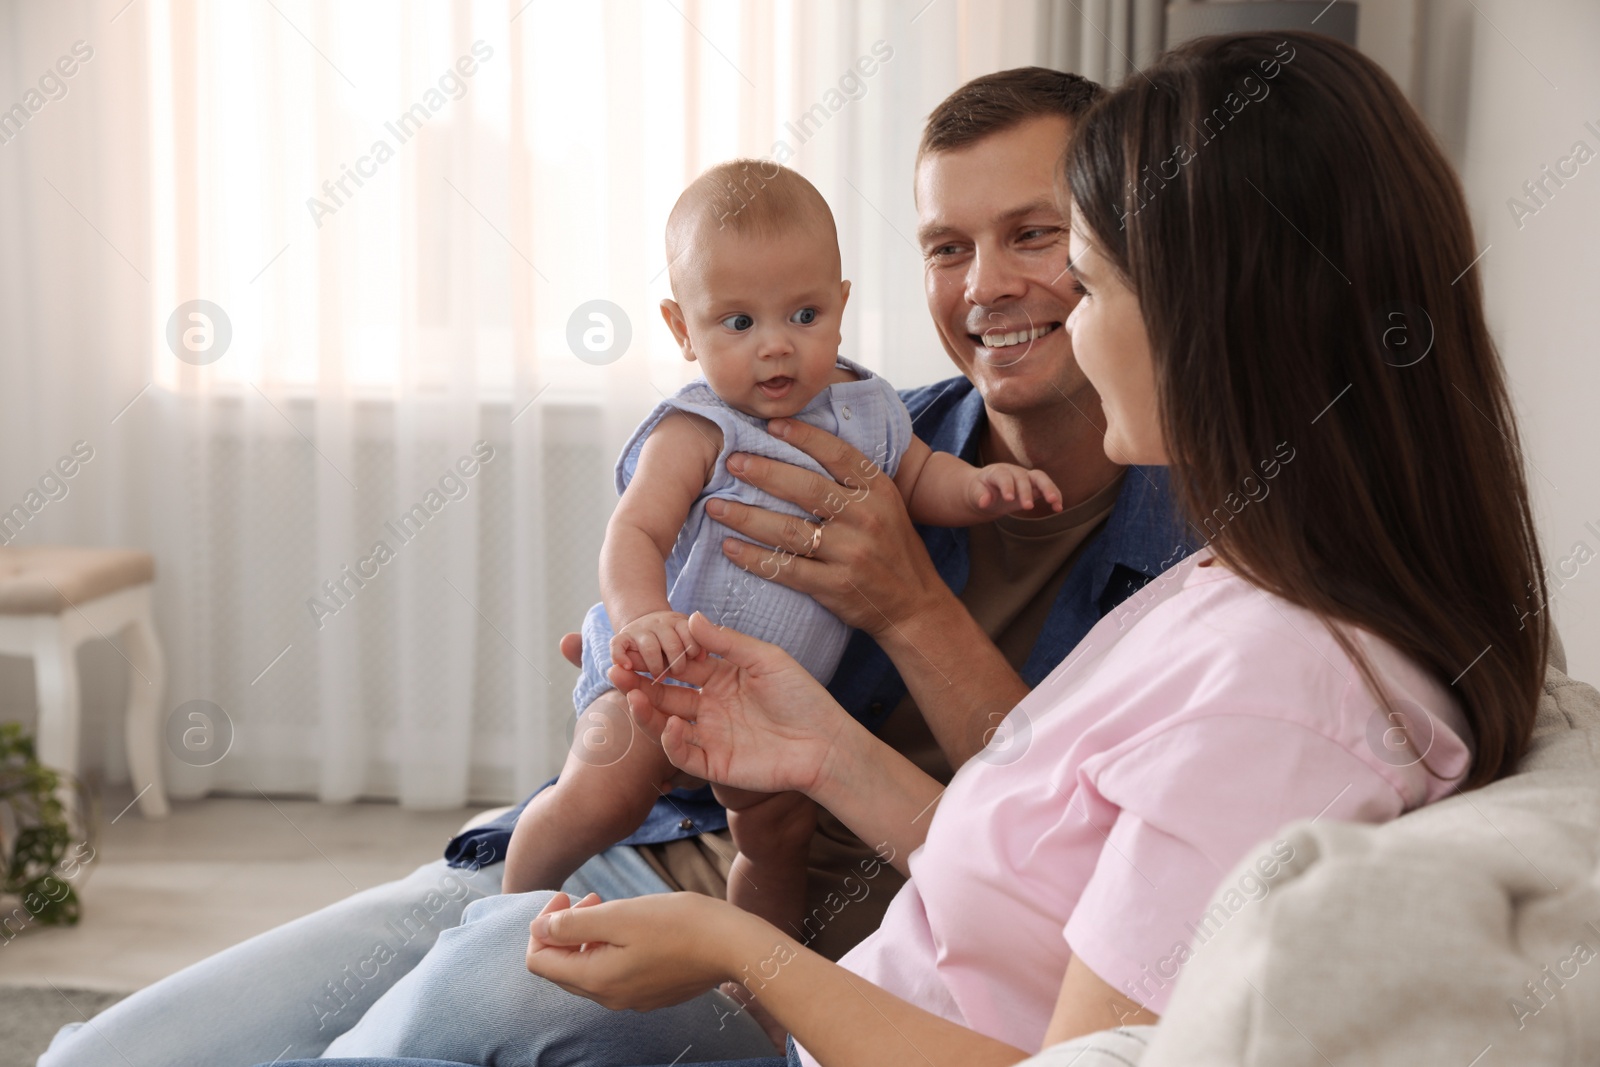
(36, 832)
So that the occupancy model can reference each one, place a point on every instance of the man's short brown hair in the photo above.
(995, 102)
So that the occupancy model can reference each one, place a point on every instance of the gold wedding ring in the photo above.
(816, 541)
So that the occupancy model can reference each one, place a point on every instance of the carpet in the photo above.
(31, 1015)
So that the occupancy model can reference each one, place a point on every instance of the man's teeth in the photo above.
(1016, 337)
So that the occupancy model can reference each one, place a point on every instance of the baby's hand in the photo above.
(1001, 488)
(656, 643)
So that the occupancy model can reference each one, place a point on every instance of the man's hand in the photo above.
(862, 560)
(572, 649)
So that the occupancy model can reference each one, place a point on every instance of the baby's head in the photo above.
(757, 299)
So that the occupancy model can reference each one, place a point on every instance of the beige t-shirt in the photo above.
(1016, 569)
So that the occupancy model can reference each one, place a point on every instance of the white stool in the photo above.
(54, 599)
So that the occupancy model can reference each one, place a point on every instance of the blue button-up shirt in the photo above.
(1141, 538)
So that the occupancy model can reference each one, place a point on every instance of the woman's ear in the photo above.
(672, 315)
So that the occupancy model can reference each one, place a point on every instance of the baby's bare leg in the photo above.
(773, 833)
(768, 877)
(612, 776)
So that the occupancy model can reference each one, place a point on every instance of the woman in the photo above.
(1265, 237)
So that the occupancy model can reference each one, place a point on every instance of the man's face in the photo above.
(994, 249)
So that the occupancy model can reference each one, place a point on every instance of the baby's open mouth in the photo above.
(775, 388)
(1005, 339)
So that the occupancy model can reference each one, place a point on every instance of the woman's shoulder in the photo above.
(1216, 616)
(1230, 649)
(1259, 633)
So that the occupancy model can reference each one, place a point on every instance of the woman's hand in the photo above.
(655, 951)
(644, 953)
(757, 720)
(868, 566)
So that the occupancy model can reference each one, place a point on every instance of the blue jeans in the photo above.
(770, 1061)
(790, 1060)
(296, 989)
(1123, 1047)
(472, 1000)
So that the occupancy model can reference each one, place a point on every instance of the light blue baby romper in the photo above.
(868, 414)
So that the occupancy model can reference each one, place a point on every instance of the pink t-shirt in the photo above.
(1186, 728)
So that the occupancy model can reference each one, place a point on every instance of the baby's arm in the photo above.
(674, 466)
(944, 490)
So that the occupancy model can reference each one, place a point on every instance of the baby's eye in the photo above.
(740, 322)
(804, 317)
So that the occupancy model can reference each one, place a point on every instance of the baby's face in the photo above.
(761, 315)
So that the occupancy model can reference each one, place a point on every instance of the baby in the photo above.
(757, 301)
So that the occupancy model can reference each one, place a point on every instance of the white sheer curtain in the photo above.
(399, 208)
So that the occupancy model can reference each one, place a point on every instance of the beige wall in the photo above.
(1509, 85)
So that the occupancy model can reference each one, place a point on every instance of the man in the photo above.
(954, 625)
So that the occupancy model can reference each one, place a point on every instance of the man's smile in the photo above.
(998, 337)
(1003, 346)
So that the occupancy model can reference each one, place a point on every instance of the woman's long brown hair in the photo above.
(1303, 257)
